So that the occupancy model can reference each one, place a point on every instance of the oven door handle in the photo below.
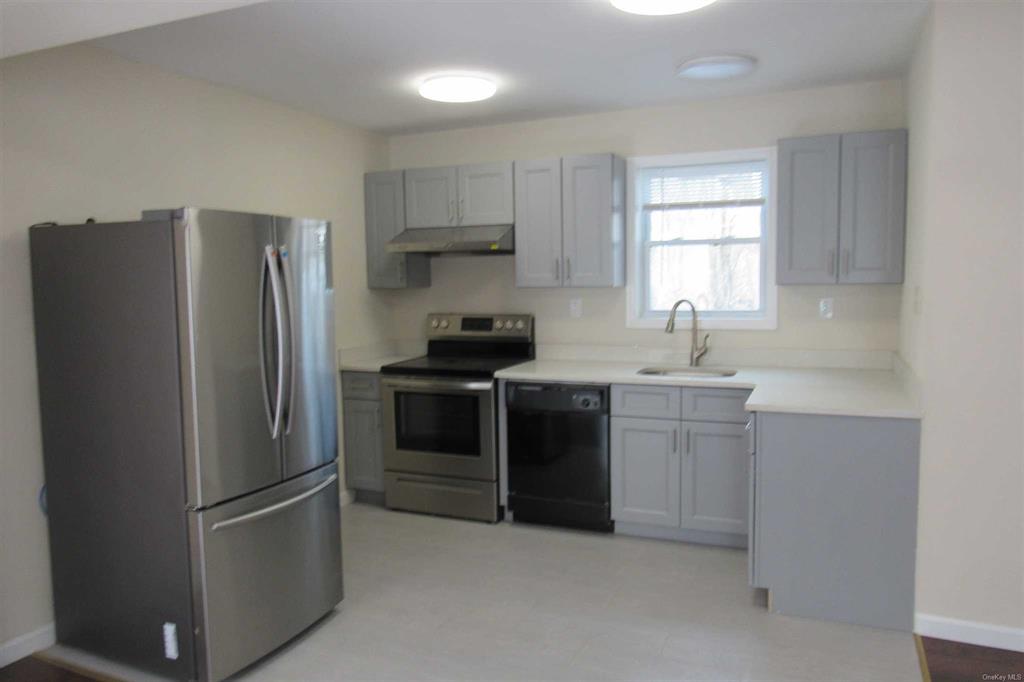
(439, 384)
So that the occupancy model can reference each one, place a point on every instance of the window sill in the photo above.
(683, 323)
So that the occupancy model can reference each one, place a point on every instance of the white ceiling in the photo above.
(29, 25)
(358, 61)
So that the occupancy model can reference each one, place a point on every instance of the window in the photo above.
(701, 228)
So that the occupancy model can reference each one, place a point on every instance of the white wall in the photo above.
(867, 317)
(85, 133)
(962, 325)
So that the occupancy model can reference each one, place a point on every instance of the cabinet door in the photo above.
(873, 197)
(645, 471)
(592, 220)
(808, 210)
(715, 465)
(538, 192)
(430, 197)
(485, 194)
(385, 218)
(364, 464)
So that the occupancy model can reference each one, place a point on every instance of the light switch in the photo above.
(826, 308)
(576, 307)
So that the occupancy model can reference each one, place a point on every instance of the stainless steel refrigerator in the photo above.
(187, 392)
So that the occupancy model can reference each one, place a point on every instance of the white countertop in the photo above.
(846, 392)
(371, 364)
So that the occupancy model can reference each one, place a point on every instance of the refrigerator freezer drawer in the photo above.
(269, 566)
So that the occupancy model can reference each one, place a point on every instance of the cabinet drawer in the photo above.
(360, 386)
(649, 402)
(715, 405)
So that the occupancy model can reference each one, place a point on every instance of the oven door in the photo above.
(443, 427)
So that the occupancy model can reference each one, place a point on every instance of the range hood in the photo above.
(484, 240)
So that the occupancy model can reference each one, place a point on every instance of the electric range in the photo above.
(440, 415)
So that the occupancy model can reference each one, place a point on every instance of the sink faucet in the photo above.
(696, 352)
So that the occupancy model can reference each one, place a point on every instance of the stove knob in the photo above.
(434, 323)
(520, 325)
(444, 324)
(499, 325)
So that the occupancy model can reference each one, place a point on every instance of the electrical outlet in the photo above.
(576, 307)
(826, 308)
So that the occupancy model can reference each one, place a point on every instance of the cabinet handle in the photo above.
(675, 440)
(451, 210)
(558, 270)
(687, 441)
(568, 269)
(831, 262)
(846, 262)
(462, 209)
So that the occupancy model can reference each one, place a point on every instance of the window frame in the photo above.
(637, 316)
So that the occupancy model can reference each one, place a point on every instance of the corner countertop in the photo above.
(371, 364)
(844, 392)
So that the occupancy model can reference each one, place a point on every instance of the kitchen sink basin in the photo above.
(687, 372)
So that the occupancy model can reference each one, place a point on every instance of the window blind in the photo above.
(702, 185)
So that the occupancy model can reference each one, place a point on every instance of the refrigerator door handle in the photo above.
(274, 508)
(273, 420)
(286, 268)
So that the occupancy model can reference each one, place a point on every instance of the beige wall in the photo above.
(867, 317)
(962, 325)
(85, 133)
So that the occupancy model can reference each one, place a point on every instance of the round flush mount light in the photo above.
(716, 67)
(457, 88)
(660, 7)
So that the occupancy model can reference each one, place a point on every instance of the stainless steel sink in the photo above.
(687, 372)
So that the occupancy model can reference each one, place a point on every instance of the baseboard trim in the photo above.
(26, 644)
(702, 537)
(969, 632)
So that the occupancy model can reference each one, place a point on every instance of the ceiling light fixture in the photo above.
(660, 7)
(457, 88)
(716, 67)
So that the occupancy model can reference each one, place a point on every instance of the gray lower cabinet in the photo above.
(645, 471)
(385, 218)
(676, 478)
(363, 431)
(714, 477)
(364, 461)
(835, 519)
(842, 208)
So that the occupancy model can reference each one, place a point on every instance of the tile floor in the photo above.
(436, 599)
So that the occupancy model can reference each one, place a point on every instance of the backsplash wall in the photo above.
(866, 316)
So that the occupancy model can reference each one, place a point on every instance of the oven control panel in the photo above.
(469, 324)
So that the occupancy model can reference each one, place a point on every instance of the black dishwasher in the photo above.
(558, 469)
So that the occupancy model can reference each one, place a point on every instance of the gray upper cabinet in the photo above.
(447, 196)
(538, 199)
(645, 471)
(385, 217)
(485, 194)
(872, 207)
(808, 210)
(593, 212)
(572, 236)
(842, 208)
(431, 195)
(715, 467)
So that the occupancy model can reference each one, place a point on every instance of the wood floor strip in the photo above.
(922, 660)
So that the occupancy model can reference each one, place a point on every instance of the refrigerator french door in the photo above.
(188, 413)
